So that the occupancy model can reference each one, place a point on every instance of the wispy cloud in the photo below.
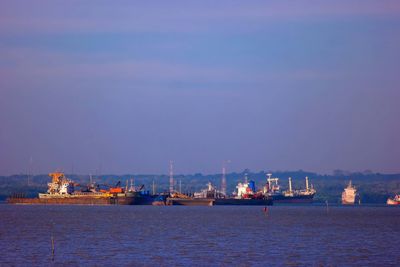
(35, 66)
(174, 16)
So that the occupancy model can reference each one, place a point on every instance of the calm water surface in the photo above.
(205, 236)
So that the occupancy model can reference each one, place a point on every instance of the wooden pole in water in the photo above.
(265, 209)
(52, 247)
(52, 240)
(327, 206)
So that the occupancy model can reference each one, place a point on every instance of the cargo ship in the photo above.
(349, 195)
(273, 189)
(61, 190)
(245, 194)
(393, 201)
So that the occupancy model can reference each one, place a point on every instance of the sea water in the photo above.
(199, 236)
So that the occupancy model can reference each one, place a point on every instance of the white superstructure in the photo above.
(393, 201)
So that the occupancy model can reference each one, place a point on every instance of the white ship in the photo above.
(394, 201)
(349, 195)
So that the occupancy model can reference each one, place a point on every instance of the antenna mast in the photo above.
(132, 188)
(223, 182)
(30, 171)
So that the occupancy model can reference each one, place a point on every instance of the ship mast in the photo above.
(171, 177)
(30, 171)
(269, 180)
(290, 184)
(132, 188)
(307, 184)
(223, 180)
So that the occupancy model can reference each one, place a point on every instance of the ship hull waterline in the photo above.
(280, 199)
(243, 202)
(74, 201)
(190, 201)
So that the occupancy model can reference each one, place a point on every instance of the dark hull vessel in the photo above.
(190, 201)
(244, 202)
(145, 199)
(289, 196)
(293, 199)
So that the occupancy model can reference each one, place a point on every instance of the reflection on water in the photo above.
(219, 235)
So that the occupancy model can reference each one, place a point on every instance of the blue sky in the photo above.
(126, 86)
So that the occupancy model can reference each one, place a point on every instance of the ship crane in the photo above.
(272, 183)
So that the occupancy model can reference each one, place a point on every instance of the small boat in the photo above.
(393, 201)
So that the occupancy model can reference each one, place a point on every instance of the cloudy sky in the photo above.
(125, 86)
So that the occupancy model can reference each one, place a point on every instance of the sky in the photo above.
(123, 87)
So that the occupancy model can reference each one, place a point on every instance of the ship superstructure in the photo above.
(393, 201)
(62, 187)
(247, 190)
(210, 192)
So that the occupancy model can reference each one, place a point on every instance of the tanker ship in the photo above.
(273, 190)
(245, 194)
(61, 190)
